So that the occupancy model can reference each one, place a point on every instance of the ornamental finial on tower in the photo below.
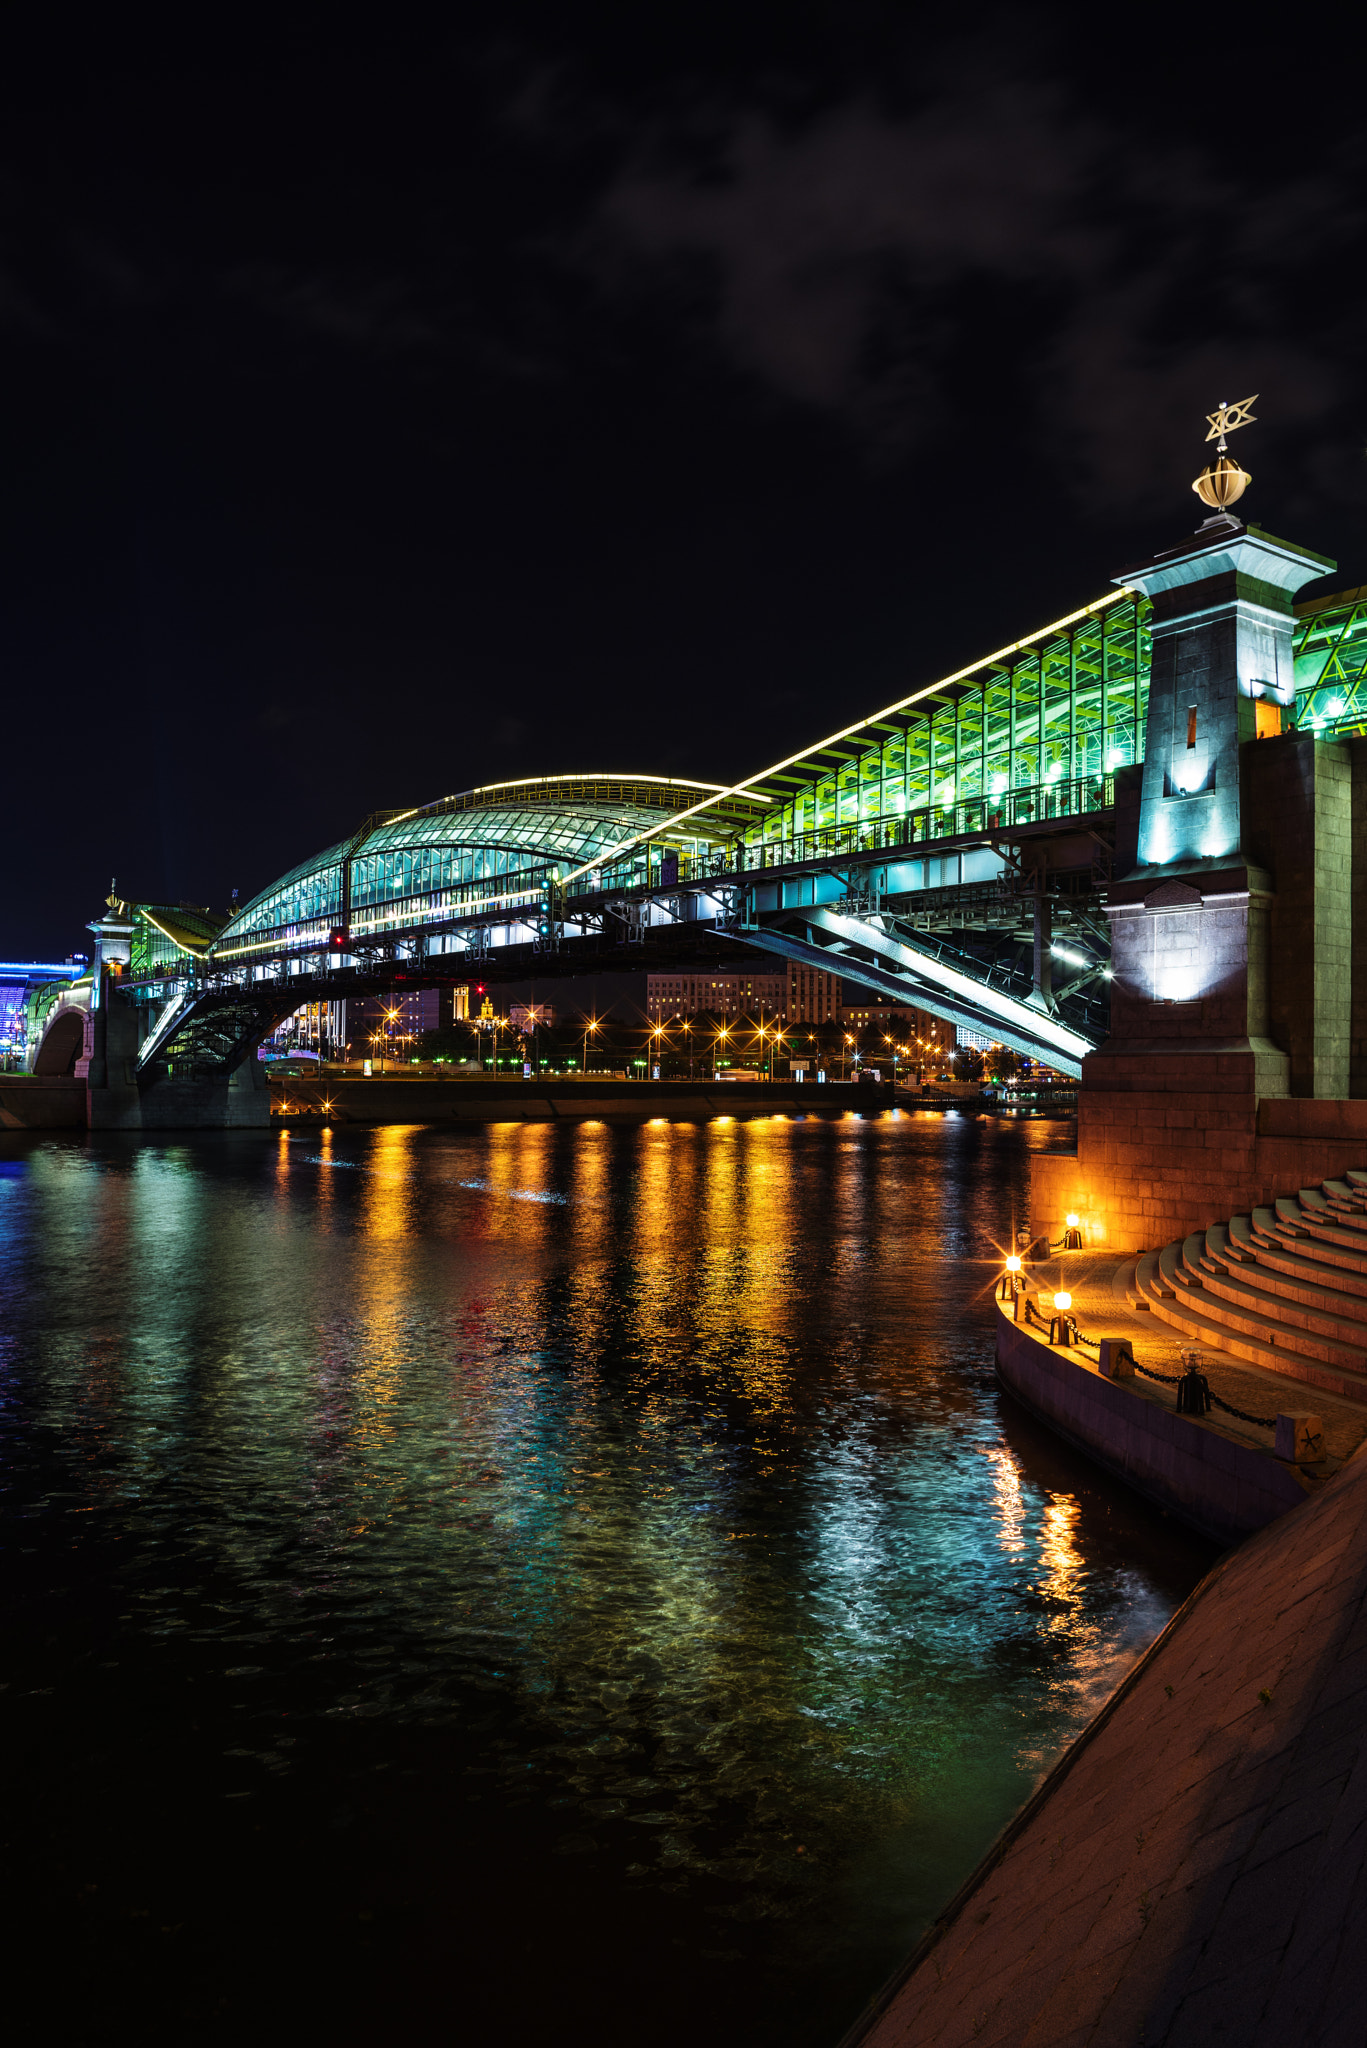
(1223, 482)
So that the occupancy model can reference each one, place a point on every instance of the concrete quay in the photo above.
(1218, 1472)
(34, 1102)
(1194, 1869)
(412, 1099)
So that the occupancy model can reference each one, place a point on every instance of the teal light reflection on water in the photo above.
(678, 1442)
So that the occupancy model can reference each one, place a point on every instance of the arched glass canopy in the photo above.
(484, 851)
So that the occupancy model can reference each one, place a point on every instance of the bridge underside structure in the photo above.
(952, 850)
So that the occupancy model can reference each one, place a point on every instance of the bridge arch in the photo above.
(63, 1041)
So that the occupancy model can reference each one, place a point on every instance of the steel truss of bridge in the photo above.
(977, 950)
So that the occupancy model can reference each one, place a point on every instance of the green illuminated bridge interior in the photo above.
(1032, 731)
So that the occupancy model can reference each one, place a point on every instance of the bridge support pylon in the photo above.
(1223, 869)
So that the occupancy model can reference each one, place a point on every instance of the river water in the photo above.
(527, 1580)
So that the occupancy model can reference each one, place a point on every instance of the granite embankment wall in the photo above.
(1182, 1169)
(388, 1099)
(32, 1102)
(1194, 1870)
(1216, 1484)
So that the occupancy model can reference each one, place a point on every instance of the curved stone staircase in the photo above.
(1285, 1287)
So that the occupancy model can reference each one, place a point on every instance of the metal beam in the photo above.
(914, 975)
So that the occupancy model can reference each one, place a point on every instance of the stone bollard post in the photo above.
(1115, 1357)
(1300, 1439)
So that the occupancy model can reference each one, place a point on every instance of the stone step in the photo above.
(1339, 1191)
(1149, 1281)
(1193, 1257)
(1319, 1264)
(1347, 1255)
(1337, 1231)
(1221, 1249)
(1276, 1336)
(1296, 1305)
(1320, 1208)
(1259, 1344)
(1267, 1224)
(1125, 1287)
(1240, 1230)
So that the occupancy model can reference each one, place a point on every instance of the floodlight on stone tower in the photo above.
(1222, 483)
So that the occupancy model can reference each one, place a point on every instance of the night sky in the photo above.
(391, 406)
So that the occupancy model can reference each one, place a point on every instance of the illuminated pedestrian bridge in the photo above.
(491, 855)
(952, 850)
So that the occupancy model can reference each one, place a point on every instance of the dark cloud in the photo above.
(392, 409)
(1119, 287)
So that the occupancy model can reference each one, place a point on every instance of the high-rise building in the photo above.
(400, 1017)
(900, 1020)
(731, 995)
(814, 997)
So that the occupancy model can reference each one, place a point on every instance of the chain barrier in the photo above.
(1259, 1421)
(1200, 1398)
(1169, 1379)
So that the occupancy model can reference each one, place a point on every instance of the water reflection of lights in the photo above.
(1060, 1559)
(675, 1465)
(390, 1184)
(1010, 1501)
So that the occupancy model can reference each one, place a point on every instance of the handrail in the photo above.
(887, 833)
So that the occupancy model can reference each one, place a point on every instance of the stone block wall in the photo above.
(1332, 996)
(1183, 1161)
(1300, 825)
(1357, 974)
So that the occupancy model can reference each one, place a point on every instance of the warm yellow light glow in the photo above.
(1063, 1301)
(1071, 1219)
(989, 661)
(1013, 1264)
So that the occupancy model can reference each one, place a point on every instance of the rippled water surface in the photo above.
(543, 1579)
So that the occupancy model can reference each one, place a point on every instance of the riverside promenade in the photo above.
(1194, 1869)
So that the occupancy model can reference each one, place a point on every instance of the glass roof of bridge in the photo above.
(499, 830)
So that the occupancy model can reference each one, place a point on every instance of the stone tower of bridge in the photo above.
(1230, 913)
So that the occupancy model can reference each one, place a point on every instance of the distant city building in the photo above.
(901, 1018)
(18, 979)
(814, 997)
(360, 1020)
(731, 995)
(526, 1016)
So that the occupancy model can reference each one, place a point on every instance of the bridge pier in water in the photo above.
(119, 1099)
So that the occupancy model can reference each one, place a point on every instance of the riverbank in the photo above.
(1192, 1869)
(405, 1098)
(42, 1102)
(1219, 1472)
(1189, 1870)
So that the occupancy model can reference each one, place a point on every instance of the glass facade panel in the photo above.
(1331, 666)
